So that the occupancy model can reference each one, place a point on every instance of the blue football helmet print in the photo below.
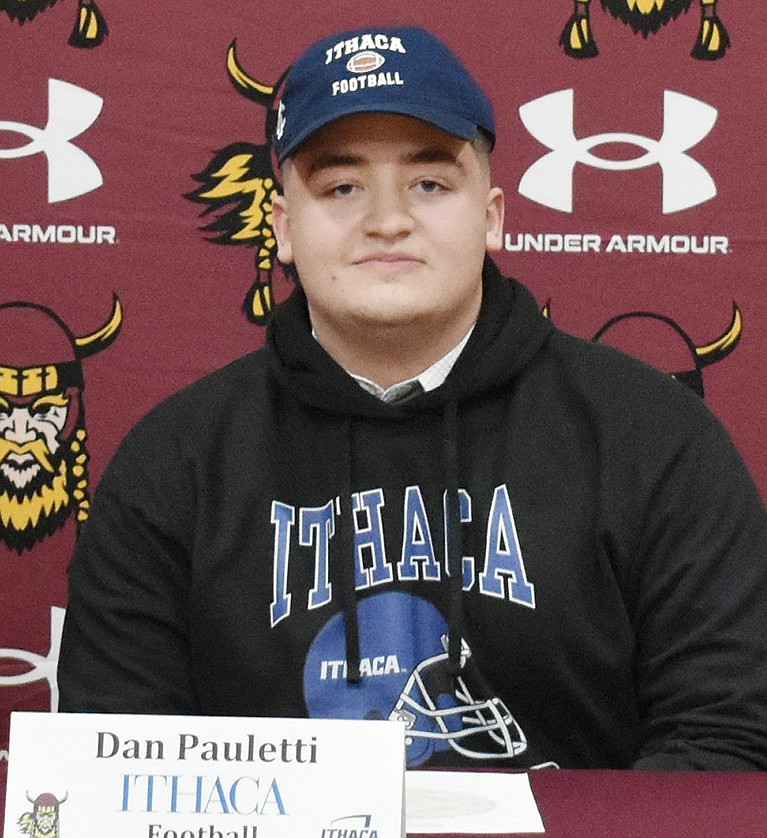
(405, 677)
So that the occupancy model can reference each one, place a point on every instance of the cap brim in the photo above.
(450, 123)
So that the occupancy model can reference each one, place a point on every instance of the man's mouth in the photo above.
(389, 260)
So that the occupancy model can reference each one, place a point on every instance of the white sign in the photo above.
(203, 777)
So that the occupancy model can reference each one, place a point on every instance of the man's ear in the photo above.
(281, 228)
(496, 204)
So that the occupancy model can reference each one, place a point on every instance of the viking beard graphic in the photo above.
(24, 10)
(39, 489)
(646, 16)
(46, 825)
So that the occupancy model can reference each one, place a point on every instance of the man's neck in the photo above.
(431, 378)
(388, 356)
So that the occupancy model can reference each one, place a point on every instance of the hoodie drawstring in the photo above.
(345, 569)
(454, 539)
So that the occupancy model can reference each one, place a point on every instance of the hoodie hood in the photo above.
(509, 332)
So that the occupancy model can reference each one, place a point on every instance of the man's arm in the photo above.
(125, 644)
(700, 613)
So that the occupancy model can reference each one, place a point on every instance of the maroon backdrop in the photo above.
(646, 171)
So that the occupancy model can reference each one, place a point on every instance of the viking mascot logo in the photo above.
(238, 185)
(43, 820)
(90, 27)
(646, 16)
(660, 341)
(43, 459)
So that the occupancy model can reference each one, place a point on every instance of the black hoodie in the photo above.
(556, 557)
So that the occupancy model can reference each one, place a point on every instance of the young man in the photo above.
(420, 501)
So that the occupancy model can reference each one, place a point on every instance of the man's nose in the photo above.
(388, 213)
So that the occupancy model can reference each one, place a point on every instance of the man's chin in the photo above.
(396, 307)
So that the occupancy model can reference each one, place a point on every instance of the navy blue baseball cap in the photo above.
(401, 70)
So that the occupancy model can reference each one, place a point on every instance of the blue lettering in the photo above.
(233, 791)
(416, 540)
(203, 795)
(317, 527)
(464, 510)
(504, 574)
(218, 792)
(273, 797)
(370, 538)
(129, 779)
(283, 517)
(175, 793)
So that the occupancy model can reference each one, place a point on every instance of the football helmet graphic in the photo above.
(405, 677)
(433, 708)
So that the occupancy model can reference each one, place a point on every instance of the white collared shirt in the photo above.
(429, 379)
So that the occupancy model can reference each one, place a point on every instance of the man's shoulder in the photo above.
(235, 380)
(621, 383)
(199, 409)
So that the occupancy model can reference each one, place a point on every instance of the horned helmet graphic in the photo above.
(43, 457)
(645, 17)
(90, 27)
(43, 820)
(660, 341)
(237, 187)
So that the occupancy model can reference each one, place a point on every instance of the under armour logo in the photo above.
(686, 121)
(41, 668)
(71, 110)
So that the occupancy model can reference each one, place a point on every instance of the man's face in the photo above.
(387, 220)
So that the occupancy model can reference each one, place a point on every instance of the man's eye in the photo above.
(430, 186)
(343, 189)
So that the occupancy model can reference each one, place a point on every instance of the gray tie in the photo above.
(403, 393)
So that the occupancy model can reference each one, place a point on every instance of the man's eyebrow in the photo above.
(433, 154)
(331, 161)
(427, 154)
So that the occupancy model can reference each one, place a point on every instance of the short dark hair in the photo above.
(483, 146)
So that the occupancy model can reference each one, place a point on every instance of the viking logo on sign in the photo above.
(43, 820)
(550, 119)
(71, 111)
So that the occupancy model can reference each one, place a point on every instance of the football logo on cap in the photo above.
(365, 62)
